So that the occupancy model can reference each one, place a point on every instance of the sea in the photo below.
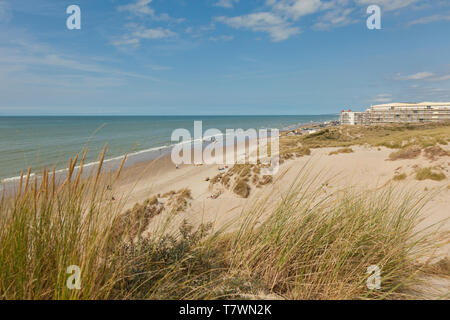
(50, 141)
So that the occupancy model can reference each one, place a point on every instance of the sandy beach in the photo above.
(365, 169)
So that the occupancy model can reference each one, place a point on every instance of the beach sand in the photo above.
(366, 168)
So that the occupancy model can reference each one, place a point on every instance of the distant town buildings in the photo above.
(398, 113)
(312, 128)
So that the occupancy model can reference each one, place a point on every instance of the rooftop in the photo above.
(409, 104)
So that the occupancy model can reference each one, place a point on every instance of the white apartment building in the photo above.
(399, 113)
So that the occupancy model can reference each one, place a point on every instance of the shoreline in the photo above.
(140, 155)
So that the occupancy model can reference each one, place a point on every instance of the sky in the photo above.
(220, 57)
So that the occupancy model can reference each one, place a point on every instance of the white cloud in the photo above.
(158, 33)
(416, 76)
(142, 8)
(135, 37)
(22, 64)
(200, 31)
(15, 57)
(222, 38)
(226, 3)
(430, 19)
(138, 32)
(383, 97)
(387, 5)
(426, 76)
(281, 16)
(125, 41)
(335, 18)
(277, 27)
(295, 8)
(441, 78)
(278, 18)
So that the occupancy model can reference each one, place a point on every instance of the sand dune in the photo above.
(366, 168)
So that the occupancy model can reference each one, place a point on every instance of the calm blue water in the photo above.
(50, 141)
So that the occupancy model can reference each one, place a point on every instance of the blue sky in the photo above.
(179, 57)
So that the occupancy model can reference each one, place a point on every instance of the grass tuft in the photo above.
(399, 177)
(435, 152)
(342, 150)
(47, 227)
(319, 247)
(242, 188)
(429, 174)
(406, 153)
(178, 201)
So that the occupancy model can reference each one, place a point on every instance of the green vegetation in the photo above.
(390, 136)
(292, 147)
(265, 180)
(238, 178)
(432, 153)
(309, 245)
(442, 266)
(45, 228)
(412, 152)
(313, 247)
(242, 188)
(343, 150)
(406, 153)
(399, 177)
(429, 173)
(134, 221)
(178, 201)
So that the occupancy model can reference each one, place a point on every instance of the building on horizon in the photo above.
(349, 117)
(398, 113)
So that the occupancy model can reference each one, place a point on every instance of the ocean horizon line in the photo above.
(164, 115)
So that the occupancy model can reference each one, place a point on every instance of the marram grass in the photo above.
(314, 246)
(309, 245)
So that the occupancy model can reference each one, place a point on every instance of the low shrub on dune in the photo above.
(435, 152)
(406, 153)
(429, 174)
(242, 188)
(399, 177)
(342, 150)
